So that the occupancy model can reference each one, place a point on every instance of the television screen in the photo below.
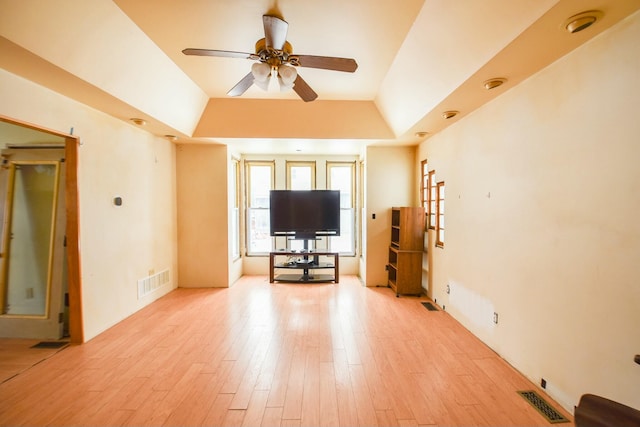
(305, 214)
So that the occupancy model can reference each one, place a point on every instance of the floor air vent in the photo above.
(543, 407)
(429, 306)
(51, 344)
(152, 283)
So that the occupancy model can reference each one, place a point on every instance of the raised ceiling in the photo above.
(416, 59)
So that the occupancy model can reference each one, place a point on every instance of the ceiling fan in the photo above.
(275, 58)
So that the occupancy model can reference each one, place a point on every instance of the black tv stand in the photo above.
(305, 268)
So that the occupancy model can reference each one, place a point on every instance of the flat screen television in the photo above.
(305, 214)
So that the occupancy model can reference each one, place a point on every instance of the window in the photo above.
(300, 176)
(433, 197)
(235, 209)
(259, 183)
(440, 215)
(341, 176)
(424, 190)
(362, 212)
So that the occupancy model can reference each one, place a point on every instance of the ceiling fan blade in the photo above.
(348, 65)
(303, 90)
(275, 31)
(220, 53)
(242, 86)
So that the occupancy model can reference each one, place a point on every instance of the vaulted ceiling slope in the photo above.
(416, 59)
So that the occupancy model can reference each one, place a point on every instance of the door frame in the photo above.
(76, 322)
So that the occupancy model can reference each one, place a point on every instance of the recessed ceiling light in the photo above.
(421, 134)
(172, 138)
(582, 21)
(494, 83)
(450, 114)
(139, 122)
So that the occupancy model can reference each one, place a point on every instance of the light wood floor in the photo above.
(275, 355)
(18, 355)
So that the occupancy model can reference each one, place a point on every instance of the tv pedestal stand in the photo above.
(307, 266)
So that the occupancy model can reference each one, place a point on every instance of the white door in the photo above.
(32, 246)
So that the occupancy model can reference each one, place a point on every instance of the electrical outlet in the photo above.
(495, 318)
(543, 383)
(448, 289)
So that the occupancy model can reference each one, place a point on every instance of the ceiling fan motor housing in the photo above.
(275, 57)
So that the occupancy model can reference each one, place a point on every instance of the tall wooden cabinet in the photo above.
(405, 251)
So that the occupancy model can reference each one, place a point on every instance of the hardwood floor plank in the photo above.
(362, 397)
(279, 381)
(256, 408)
(234, 418)
(247, 384)
(272, 417)
(218, 411)
(347, 413)
(377, 391)
(292, 408)
(310, 414)
(328, 396)
(272, 355)
(387, 418)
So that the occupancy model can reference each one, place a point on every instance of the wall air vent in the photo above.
(152, 283)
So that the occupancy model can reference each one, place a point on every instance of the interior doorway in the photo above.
(40, 288)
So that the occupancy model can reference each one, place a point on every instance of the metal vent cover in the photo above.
(430, 306)
(543, 407)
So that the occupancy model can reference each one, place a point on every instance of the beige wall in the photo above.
(542, 202)
(119, 244)
(203, 238)
(390, 177)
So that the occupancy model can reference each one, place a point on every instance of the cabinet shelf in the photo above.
(304, 266)
(307, 273)
(405, 251)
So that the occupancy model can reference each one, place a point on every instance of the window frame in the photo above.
(249, 208)
(440, 191)
(424, 189)
(432, 194)
(236, 250)
(293, 244)
(297, 163)
(352, 208)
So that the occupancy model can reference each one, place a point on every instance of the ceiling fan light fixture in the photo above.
(261, 71)
(288, 74)
(286, 77)
(262, 84)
